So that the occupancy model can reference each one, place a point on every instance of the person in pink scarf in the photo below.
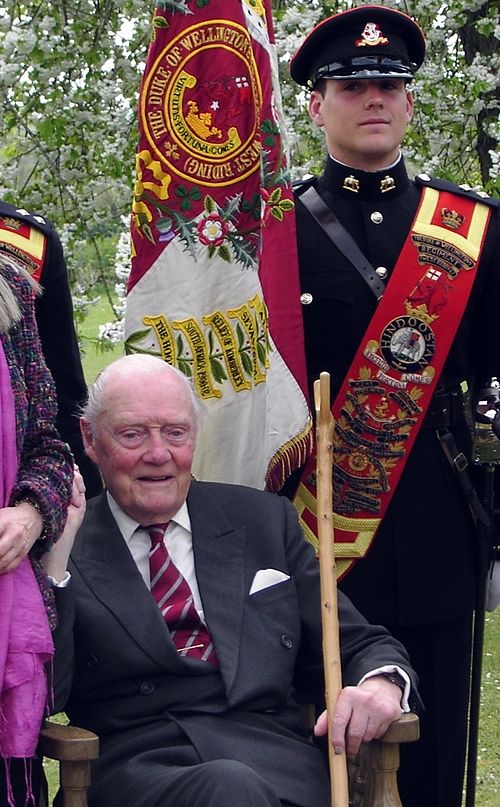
(36, 472)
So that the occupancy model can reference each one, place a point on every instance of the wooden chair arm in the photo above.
(406, 729)
(373, 775)
(74, 748)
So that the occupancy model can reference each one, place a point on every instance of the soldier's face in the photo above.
(364, 120)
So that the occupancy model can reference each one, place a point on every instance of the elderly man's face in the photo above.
(144, 445)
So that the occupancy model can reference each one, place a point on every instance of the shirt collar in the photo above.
(128, 525)
(387, 168)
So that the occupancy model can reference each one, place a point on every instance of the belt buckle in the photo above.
(460, 462)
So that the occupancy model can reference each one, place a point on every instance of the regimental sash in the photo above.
(385, 395)
(24, 243)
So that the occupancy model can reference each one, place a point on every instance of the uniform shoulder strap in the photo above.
(337, 233)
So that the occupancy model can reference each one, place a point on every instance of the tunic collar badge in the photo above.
(351, 184)
(387, 184)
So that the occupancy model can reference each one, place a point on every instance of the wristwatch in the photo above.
(395, 678)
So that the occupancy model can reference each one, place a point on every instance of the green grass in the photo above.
(488, 759)
(93, 359)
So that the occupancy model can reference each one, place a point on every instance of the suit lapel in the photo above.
(219, 553)
(109, 570)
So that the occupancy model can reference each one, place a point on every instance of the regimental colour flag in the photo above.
(214, 286)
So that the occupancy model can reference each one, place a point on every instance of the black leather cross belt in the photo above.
(445, 409)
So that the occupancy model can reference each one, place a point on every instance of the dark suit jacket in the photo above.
(130, 685)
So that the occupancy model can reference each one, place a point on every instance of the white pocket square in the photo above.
(265, 578)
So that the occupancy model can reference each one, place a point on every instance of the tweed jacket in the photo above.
(45, 463)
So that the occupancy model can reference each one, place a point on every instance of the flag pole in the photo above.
(329, 607)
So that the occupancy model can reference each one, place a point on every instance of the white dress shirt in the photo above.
(178, 540)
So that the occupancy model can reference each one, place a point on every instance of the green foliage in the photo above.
(69, 81)
(456, 130)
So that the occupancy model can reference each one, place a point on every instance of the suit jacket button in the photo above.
(286, 642)
(92, 662)
(147, 688)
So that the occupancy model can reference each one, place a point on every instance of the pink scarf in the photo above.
(25, 638)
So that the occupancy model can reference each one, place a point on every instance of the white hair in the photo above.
(129, 365)
(10, 311)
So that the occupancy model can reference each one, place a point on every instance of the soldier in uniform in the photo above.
(418, 575)
(33, 242)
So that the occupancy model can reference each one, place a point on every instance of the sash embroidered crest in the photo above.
(386, 393)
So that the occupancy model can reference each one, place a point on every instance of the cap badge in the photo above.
(372, 35)
(351, 184)
(451, 218)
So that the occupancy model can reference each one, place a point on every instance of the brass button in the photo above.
(377, 217)
(306, 298)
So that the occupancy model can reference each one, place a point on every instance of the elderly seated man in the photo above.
(190, 621)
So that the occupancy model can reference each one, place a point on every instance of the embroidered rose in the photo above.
(212, 230)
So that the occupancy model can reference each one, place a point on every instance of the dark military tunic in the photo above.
(419, 576)
(54, 315)
(419, 579)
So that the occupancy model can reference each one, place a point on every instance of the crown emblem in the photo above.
(12, 224)
(372, 35)
(420, 312)
(451, 218)
(201, 122)
(351, 184)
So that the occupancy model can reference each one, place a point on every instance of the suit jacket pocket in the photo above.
(286, 588)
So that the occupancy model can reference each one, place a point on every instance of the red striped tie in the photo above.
(175, 600)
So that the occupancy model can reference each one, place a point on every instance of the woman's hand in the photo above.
(20, 527)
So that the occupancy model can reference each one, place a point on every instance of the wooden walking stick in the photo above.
(329, 608)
